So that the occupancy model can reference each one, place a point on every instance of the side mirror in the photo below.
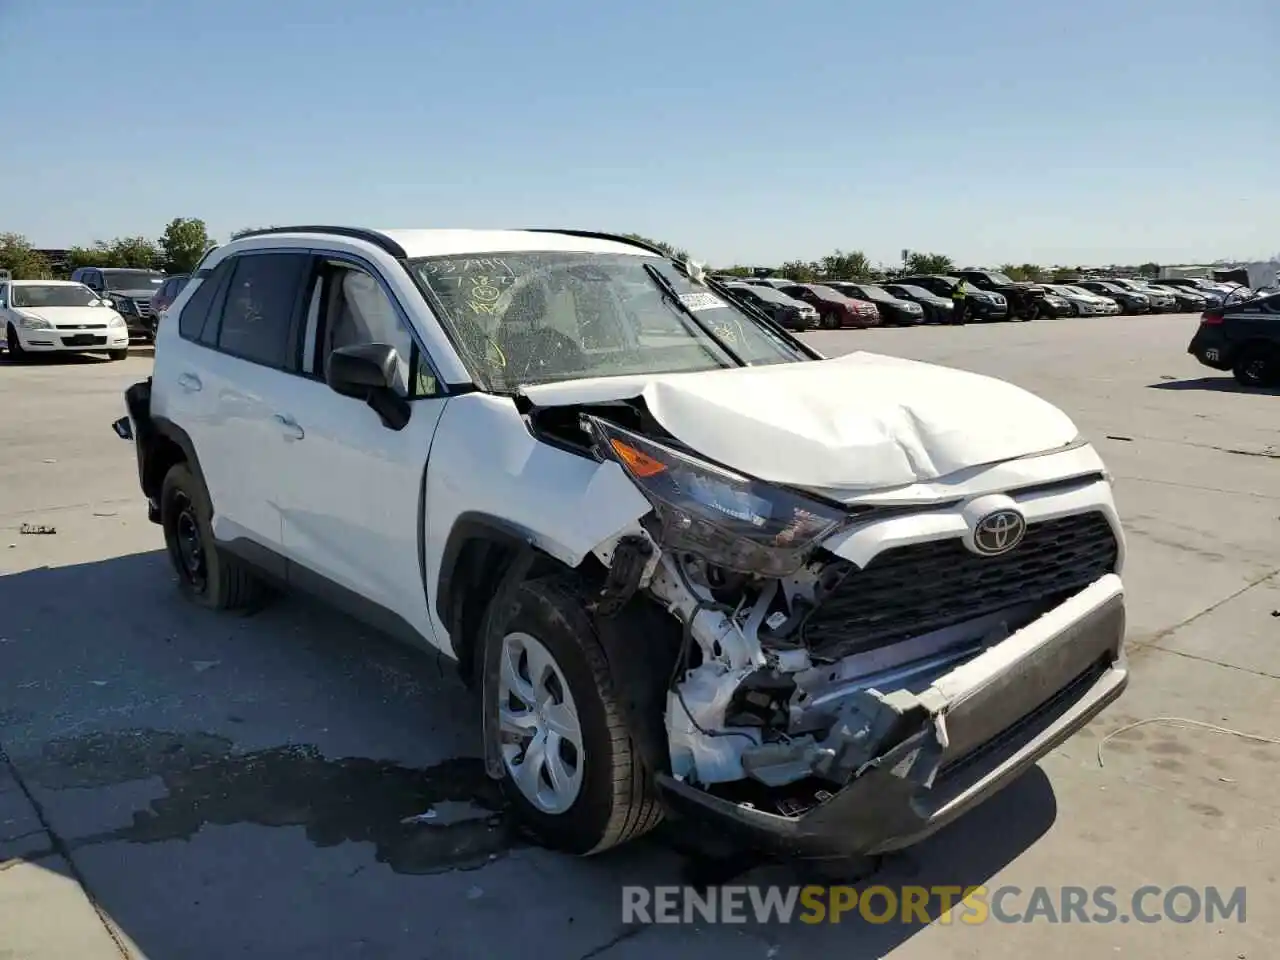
(366, 372)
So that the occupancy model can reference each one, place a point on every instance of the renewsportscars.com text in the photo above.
(924, 905)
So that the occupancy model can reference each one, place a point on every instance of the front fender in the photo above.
(488, 470)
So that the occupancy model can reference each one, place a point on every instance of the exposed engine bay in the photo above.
(797, 670)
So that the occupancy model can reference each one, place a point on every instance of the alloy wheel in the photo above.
(542, 744)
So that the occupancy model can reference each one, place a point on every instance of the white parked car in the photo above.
(47, 316)
(1084, 303)
(686, 562)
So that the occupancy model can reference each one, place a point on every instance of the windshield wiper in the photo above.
(669, 293)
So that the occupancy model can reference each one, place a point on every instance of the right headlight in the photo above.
(27, 322)
(732, 521)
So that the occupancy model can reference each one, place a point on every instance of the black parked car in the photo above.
(1025, 299)
(893, 310)
(791, 313)
(1186, 299)
(130, 292)
(1242, 336)
(1130, 301)
(936, 309)
(983, 305)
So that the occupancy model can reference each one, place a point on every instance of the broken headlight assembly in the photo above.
(730, 520)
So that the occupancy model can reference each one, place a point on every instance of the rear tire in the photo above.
(206, 575)
(1257, 366)
(610, 797)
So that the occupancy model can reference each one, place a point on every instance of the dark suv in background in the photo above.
(1025, 299)
(982, 304)
(130, 292)
(167, 293)
(1244, 337)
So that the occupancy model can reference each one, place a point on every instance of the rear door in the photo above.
(230, 381)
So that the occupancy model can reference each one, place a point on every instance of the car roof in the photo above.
(412, 243)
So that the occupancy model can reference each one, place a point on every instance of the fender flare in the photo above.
(468, 528)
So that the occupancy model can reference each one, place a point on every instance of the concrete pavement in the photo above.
(195, 786)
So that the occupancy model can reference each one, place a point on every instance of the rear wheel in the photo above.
(206, 575)
(1257, 366)
(569, 765)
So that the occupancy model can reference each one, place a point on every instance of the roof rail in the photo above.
(380, 240)
(598, 235)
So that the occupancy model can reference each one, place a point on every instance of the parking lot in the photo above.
(238, 785)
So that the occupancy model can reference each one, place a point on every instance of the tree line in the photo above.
(184, 241)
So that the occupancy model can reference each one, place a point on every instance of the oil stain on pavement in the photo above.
(449, 816)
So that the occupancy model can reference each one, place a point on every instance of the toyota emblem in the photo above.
(999, 532)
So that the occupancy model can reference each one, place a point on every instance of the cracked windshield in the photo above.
(528, 318)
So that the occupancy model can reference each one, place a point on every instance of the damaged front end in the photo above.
(831, 707)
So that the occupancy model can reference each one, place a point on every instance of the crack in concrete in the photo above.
(1269, 453)
(1218, 663)
(627, 934)
(59, 847)
(1153, 641)
(1197, 486)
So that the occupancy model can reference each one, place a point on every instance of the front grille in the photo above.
(83, 340)
(142, 308)
(913, 590)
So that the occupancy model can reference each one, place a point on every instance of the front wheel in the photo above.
(831, 320)
(13, 344)
(118, 354)
(569, 766)
(1257, 366)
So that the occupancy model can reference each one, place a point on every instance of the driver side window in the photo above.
(348, 307)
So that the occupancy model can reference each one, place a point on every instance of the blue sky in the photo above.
(748, 132)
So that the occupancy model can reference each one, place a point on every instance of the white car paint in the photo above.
(45, 329)
(315, 477)
(858, 422)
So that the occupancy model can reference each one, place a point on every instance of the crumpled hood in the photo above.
(856, 422)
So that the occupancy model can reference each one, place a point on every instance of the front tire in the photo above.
(13, 344)
(587, 789)
(831, 320)
(206, 575)
(118, 354)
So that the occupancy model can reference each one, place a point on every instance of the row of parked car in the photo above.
(988, 295)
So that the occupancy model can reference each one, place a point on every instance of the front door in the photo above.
(351, 488)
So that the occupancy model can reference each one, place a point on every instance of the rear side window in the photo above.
(257, 317)
(192, 320)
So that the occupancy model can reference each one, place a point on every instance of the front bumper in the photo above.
(1004, 711)
(986, 310)
(74, 341)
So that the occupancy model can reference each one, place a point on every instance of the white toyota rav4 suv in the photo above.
(686, 562)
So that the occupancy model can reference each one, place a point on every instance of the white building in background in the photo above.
(1258, 275)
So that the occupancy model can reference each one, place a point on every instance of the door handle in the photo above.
(290, 426)
(190, 382)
